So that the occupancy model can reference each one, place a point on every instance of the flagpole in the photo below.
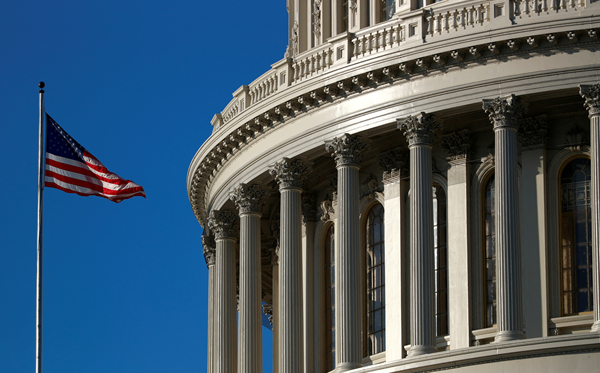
(38, 330)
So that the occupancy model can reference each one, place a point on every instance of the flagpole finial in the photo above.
(42, 85)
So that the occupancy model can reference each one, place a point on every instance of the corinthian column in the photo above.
(249, 200)
(419, 131)
(208, 249)
(591, 93)
(290, 175)
(504, 113)
(347, 150)
(221, 224)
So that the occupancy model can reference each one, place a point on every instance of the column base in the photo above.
(421, 350)
(344, 367)
(508, 335)
(596, 326)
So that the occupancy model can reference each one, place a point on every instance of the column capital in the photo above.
(419, 129)
(532, 131)
(309, 211)
(249, 198)
(347, 149)
(504, 111)
(394, 163)
(222, 223)
(591, 94)
(290, 173)
(208, 249)
(457, 145)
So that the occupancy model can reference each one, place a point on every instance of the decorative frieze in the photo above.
(347, 149)
(457, 145)
(223, 223)
(419, 129)
(394, 163)
(504, 111)
(249, 198)
(532, 131)
(591, 94)
(290, 173)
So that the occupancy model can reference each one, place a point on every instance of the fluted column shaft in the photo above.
(291, 331)
(419, 131)
(504, 113)
(591, 93)
(208, 245)
(225, 351)
(347, 151)
(225, 325)
(249, 199)
(290, 174)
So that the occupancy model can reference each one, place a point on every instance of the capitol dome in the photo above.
(414, 187)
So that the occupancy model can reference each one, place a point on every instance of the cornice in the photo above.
(296, 101)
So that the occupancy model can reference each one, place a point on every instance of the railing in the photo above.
(263, 87)
(527, 8)
(439, 21)
(378, 40)
(231, 110)
(316, 62)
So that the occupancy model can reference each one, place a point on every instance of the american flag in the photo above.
(71, 168)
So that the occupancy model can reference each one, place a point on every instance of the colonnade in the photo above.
(348, 150)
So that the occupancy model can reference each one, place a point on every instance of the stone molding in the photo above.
(347, 149)
(223, 223)
(591, 94)
(504, 111)
(532, 131)
(457, 145)
(290, 173)
(212, 162)
(249, 198)
(419, 129)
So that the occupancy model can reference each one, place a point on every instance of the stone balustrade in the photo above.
(371, 41)
(315, 62)
(444, 20)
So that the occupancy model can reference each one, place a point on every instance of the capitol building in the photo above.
(414, 187)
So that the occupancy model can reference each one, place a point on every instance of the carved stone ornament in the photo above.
(295, 38)
(504, 111)
(457, 145)
(249, 198)
(268, 310)
(290, 173)
(576, 138)
(208, 249)
(394, 163)
(532, 131)
(347, 149)
(309, 211)
(370, 187)
(223, 223)
(317, 18)
(272, 248)
(420, 129)
(327, 209)
(591, 94)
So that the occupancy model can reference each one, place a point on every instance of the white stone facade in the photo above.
(475, 127)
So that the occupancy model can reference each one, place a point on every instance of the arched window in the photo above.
(576, 237)
(489, 255)
(375, 284)
(441, 260)
(329, 300)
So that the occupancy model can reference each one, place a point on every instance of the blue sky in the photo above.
(136, 83)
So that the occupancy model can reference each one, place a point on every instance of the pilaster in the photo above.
(347, 151)
(222, 224)
(504, 113)
(249, 200)
(591, 94)
(290, 175)
(458, 147)
(395, 166)
(419, 131)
